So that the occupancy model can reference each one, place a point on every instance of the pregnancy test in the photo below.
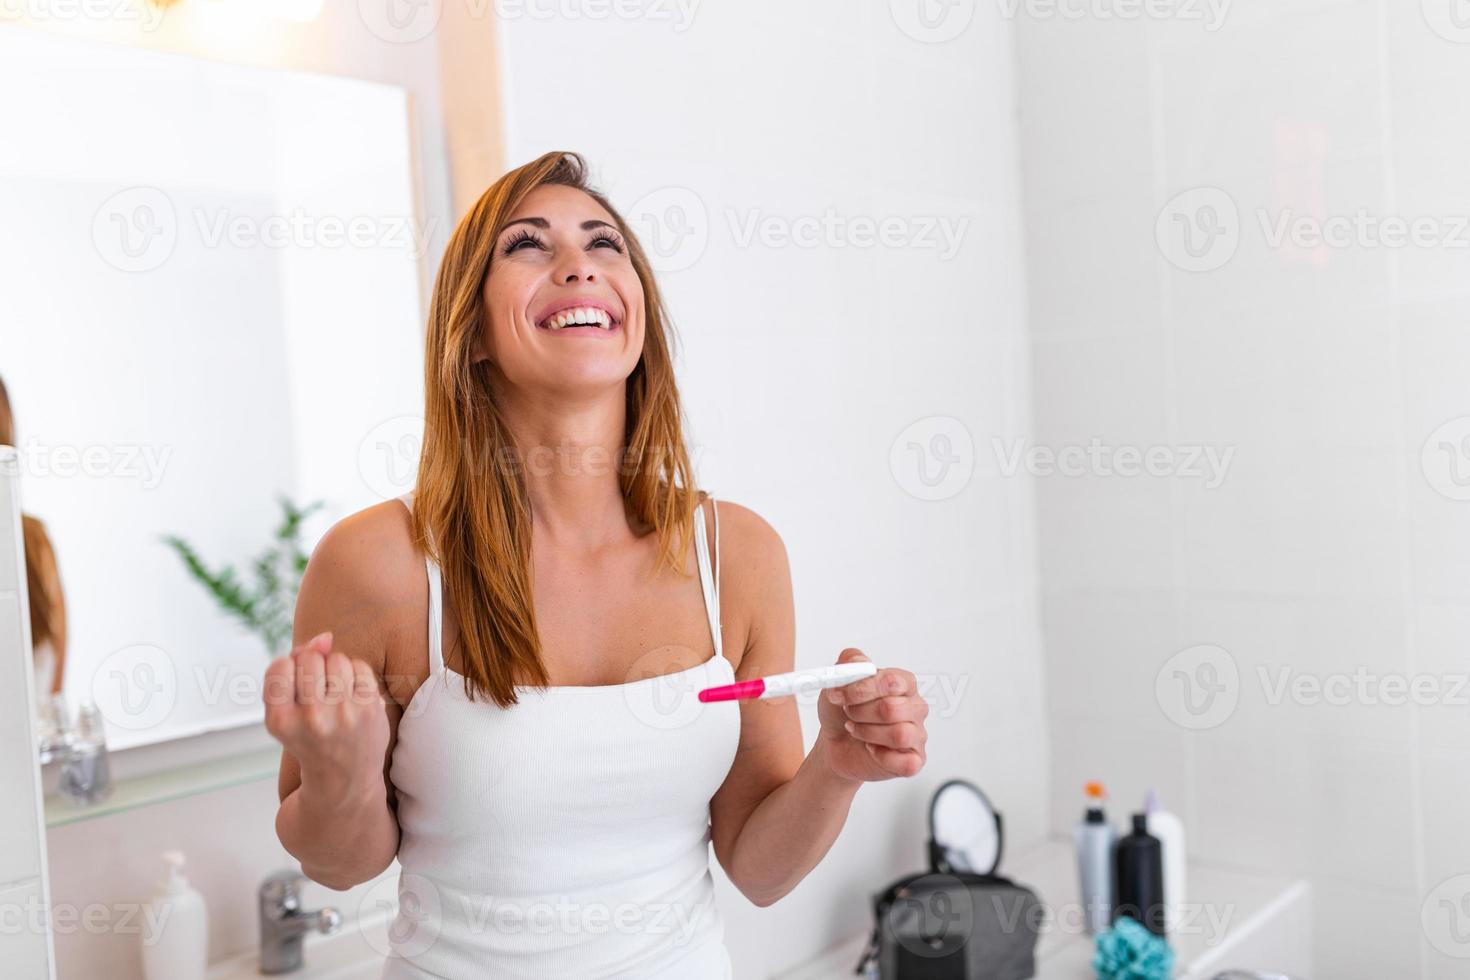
(796, 682)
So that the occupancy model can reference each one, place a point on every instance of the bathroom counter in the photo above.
(1237, 919)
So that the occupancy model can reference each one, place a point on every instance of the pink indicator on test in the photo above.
(734, 692)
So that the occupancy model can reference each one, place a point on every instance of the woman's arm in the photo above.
(326, 703)
(778, 813)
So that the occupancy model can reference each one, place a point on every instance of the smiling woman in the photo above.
(498, 673)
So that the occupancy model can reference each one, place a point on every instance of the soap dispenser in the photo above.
(176, 928)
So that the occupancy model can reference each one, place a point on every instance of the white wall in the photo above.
(25, 945)
(803, 366)
(1328, 548)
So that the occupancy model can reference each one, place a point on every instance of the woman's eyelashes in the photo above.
(524, 238)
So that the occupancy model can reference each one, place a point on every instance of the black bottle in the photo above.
(1138, 865)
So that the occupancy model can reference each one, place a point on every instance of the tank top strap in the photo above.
(436, 604)
(709, 571)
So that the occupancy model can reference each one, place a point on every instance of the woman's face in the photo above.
(564, 305)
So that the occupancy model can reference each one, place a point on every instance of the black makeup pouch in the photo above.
(960, 920)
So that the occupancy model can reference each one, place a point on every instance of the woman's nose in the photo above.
(576, 268)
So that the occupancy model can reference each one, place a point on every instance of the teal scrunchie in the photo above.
(1128, 951)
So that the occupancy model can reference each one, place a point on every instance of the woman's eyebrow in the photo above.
(543, 224)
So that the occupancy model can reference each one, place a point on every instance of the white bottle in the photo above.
(175, 928)
(1170, 832)
(1094, 838)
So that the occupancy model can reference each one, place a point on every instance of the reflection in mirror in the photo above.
(214, 351)
(43, 585)
(966, 827)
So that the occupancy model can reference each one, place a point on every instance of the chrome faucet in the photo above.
(283, 925)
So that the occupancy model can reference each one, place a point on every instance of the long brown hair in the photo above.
(45, 607)
(471, 508)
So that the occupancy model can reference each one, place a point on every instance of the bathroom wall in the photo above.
(839, 381)
(1247, 236)
(25, 946)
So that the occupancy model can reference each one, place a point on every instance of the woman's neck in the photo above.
(570, 456)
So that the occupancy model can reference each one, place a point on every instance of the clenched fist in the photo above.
(326, 709)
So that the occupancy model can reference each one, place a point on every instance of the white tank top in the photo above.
(565, 837)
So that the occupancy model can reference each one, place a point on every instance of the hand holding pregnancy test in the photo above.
(872, 717)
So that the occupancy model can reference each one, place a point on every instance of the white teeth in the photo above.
(586, 316)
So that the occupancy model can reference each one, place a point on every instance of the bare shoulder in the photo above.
(748, 541)
(757, 612)
(364, 578)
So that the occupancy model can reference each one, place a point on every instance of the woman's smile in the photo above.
(580, 318)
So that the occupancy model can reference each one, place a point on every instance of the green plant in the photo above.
(266, 606)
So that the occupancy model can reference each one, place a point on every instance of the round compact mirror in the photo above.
(964, 829)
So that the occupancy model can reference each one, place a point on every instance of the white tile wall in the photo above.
(1327, 550)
